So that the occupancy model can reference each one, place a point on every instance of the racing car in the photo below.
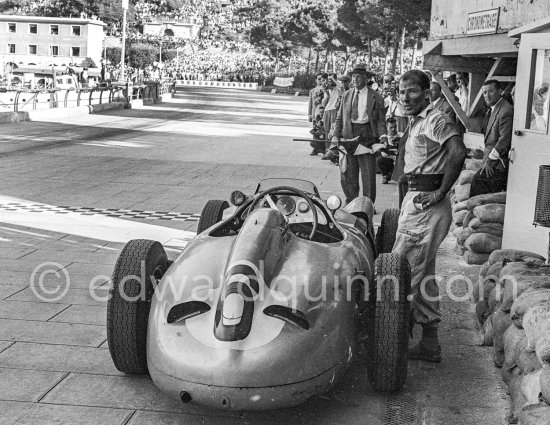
(268, 305)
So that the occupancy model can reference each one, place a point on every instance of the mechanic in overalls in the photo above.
(434, 155)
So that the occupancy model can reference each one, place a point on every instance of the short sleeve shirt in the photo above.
(425, 152)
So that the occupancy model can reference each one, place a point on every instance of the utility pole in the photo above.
(123, 50)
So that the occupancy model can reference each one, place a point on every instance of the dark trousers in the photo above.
(385, 165)
(403, 187)
(482, 184)
(364, 165)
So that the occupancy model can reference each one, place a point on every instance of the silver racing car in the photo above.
(268, 305)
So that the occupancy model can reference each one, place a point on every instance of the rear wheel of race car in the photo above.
(211, 214)
(385, 237)
(141, 261)
(388, 318)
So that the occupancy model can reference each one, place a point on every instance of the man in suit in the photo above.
(497, 127)
(361, 114)
(440, 103)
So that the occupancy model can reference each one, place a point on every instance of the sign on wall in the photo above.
(484, 22)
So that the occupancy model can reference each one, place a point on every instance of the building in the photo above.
(508, 41)
(187, 29)
(34, 40)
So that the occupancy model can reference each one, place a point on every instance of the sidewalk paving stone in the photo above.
(48, 414)
(58, 358)
(4, 345)
(83, 314)
(147, 418)
(29, 310)
(72, 296)
(52, 332)
(27, 385)
(8, 290)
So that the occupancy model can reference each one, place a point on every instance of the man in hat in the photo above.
(361, 114)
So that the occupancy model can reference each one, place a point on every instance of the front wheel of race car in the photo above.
(385, 237)
(211, 214)
(388, 317)
(139, 267)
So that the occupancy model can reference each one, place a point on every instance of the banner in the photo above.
(283, 82)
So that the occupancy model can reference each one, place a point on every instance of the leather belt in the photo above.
(424, 182)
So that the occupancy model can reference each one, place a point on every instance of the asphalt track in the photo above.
(73, 191)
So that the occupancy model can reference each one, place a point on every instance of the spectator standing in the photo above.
(333, 94)
(461, 93)
(497, 127)
(361, 114)
(395, 110)
(451, 83)
(440, 103)
(434, 156)
(386, 160)
(315, 99)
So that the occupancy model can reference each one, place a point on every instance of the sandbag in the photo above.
(545, 384)
(473, 164)
(493, 299)
(488, 332)
(484, 268)
(494, 272)
(501, 322)
(490, 213)
(489, 230)
(462, 192)
(536, 323)
(487, 198)
(474, 258)
(512, 337)
(527, 299)
(458, 217)
(512, 255)
(482, 287)
(510, 367)
(476, 225)
(518, 399)
(467, 218)
(460, 206)
(466, 177)
(463, 235)
(483, 243)
(530, 387)
(535, 414)
(527, 361)
(542, 350)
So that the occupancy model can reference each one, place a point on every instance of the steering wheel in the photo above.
(293, 191)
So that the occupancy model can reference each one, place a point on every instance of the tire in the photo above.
(385, 237)
(211, 214)
(127, 318)
(388, 324)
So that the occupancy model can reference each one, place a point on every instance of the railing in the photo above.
(33, 99)
(226, 84)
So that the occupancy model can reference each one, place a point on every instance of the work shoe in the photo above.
(423, 353)
(385, 180)
(314, 152)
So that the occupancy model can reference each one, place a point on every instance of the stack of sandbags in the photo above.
(482, 227)
(512, 300)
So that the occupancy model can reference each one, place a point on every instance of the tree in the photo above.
(141, 55)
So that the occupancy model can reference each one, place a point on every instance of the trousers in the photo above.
(419, 235)
(363, 165)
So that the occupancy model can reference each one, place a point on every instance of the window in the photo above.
(54, 29)
(33, 29)
(11, 48)
(54, 50)
(539, 91)
(76, 30)
(12, 28)
(32, 49)
(75, 51)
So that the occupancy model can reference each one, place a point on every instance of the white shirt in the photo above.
(362, 105)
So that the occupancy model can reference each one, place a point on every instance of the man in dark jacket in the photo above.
(361, 114)
(497, 127)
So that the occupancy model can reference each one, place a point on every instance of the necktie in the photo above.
(486, 120)
(355, 106)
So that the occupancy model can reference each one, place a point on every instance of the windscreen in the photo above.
(303, 185)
